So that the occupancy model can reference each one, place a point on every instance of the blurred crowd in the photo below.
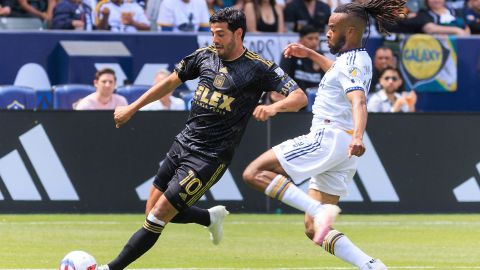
(456, 17)
(308, 18)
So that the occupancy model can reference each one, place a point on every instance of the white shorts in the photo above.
(322, 156)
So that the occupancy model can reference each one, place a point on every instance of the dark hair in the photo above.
(307, 29)
(105, 71)
(385, 12)
(390, 68)
(233, 17)
(384, 48)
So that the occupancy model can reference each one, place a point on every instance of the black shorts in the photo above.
(184, 176)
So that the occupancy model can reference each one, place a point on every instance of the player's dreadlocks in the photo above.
(384, 12)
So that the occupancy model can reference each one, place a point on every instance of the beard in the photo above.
(336, 47)
(227, 49)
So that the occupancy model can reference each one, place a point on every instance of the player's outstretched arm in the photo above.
(359, 111)
(123, 113)
(298, 50)
(292, 103)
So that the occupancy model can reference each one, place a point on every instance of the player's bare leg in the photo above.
(267, 175)
(153, 197)
(336, 242)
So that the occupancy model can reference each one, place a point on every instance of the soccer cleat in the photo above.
(374, 264)
(323, 220)
(217, 214)
(103, 267)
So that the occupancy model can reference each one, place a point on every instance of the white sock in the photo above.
(151, 217)
(284, 190)
(344, 249)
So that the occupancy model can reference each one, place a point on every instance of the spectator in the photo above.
(42, 9)
(167, 102)
(439, 20)
(384, 57)
(183, 16)
(299, 13)
(444, 20)
(72, 14)
(388, 99)
(472, 16)
(304, 71)
(104, 97)
(214, 6)
(264, 16)
(121, 16)
(6, 7)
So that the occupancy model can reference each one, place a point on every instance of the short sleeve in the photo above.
(140, 14)
(121, 100)
(188, 68)
(352, 78)
(275, 79)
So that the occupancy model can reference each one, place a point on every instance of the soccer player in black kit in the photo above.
(231, 81)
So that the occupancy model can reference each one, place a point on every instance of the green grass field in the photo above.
(251, 241)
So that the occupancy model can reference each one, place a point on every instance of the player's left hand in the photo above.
(356, 148)
(263, 112)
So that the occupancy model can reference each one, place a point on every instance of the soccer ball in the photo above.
(78, 260)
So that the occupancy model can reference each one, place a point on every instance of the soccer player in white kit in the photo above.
(328, 154)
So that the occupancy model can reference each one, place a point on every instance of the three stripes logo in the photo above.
(468, 191)
(373, 176)
(48, 167)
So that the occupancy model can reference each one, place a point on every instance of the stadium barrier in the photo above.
(65, 57)
(78, 162)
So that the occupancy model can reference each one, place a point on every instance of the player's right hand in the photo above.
(356, 148)
(296, 50)
(263, 112)
(121, 115)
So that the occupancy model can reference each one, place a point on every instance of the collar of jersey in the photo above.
(353, 50)
(244, 52)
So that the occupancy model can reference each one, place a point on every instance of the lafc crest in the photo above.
(219, 81)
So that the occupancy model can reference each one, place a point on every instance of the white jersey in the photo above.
(351, 71)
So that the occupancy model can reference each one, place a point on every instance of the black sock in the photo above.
(193, 214)
(137, 245)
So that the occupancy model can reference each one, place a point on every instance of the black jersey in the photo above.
(226, 95)
(303, 71)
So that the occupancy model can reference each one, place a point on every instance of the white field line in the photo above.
(344, 223)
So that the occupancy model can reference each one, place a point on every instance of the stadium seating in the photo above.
(17, 97)
(13, 23)
(132, 92)
(65, 96)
